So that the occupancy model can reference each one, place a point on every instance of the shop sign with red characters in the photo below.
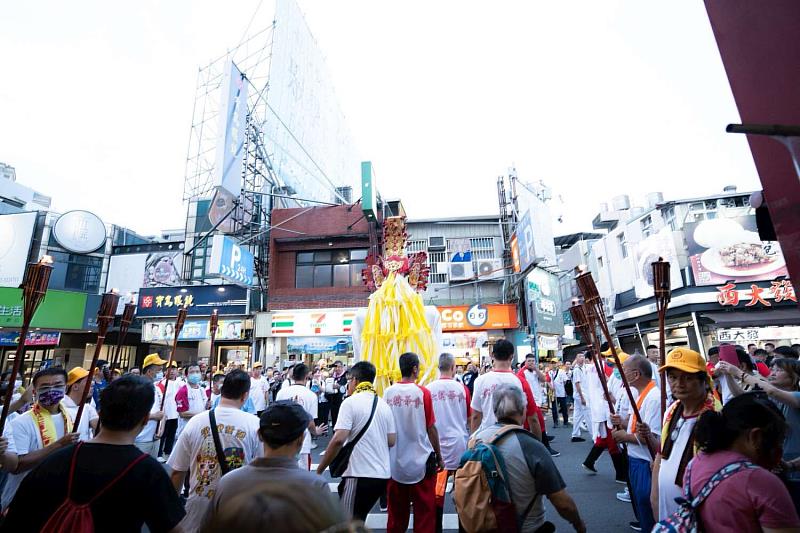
(756, 295)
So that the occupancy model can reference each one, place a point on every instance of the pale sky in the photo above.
(595, 98)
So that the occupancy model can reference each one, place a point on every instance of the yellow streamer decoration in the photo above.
(395, 324)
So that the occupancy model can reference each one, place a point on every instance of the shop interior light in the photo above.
(221, 289)
(184, 290)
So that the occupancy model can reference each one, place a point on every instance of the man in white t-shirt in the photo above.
(42, 430)
(580, 412)
(482, 410)
(642, 437)
(558, 379)
(76, 385)
(299, 393)
(364, 480)
(196, 451)
(190, 399)
(169, 388)
(147, 440)
(451, 405)
(417, 448)
(259, 385)
(535, 379)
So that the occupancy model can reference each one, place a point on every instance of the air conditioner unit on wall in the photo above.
(490, 268)
(461, 271)
(436, 243)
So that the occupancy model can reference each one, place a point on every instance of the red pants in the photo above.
(608, 442)
(423, 495)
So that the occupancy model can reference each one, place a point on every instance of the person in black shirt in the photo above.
(146, 486)
(469, 378)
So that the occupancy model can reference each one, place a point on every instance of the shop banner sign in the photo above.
(316, 345)
(478, 317)
(34, 338)
(199, 300)
(232, 128)
(16, 232)
(544, 297)
(776, 333)
(755, 295)
(193, 330)
(58, 310)
(231, 262)
(729, 250)
(330, 322)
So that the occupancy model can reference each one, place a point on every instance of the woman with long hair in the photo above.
(739, 446)
(783, 388)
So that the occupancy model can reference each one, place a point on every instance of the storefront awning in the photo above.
(773, 317)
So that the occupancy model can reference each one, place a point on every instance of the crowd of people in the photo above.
(237, 444)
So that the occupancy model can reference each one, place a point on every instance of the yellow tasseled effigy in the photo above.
(394, 324)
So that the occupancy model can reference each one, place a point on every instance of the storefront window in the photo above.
(75, 272)
(330, 268)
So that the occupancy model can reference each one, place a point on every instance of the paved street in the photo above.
(593, 494)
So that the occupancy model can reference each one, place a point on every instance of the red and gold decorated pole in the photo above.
(105, 317)
(663, 293)
(125, 323)
(34, 287)
(212, 326)
(179, 321)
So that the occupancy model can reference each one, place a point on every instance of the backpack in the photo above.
(74, 517)
(687, 518)
(482, 488)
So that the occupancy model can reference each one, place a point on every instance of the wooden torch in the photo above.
(663, 294)
(105, 317)
(179, 321)
(34, 287)
(125, 323)
(585, 325)
(592, 298)
(212, 327)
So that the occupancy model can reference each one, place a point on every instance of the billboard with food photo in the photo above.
(729, 249)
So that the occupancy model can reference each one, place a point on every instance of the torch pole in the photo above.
(178, 327)
(34, 287)
(212, 326)
(105, 316)
(582, 320)
(663, 293)
(125, 323)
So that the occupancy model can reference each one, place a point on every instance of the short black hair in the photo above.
(191, 365)
(786, 351)
(714, 350)
(503, 350)
(52, 371)
(530, 356)
(126, 402)
(407, 363)
(749, 345)
(218, 377)
(363, 371)
(651, 347)
(769, 344)
(236, 384)
(300, 372)
(761, 352)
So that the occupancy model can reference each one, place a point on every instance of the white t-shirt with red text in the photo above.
(451, 401)
(412, 409)
(483, 390)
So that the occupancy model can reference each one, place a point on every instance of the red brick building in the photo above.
(316, 257)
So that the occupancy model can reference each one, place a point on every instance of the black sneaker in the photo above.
(578, 439)
(590, 468)
(553, 453)
(636, 526)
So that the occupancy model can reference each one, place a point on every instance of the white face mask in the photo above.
(159, 376)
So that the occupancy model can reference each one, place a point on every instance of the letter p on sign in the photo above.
(236, 255)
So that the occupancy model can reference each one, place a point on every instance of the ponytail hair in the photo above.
(716, 431)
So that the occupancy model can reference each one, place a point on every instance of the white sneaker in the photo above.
(624, 496)
(161, 459)
(314, 445)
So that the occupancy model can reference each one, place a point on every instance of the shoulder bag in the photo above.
(342, 459)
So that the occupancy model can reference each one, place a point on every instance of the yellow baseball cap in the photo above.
(610, 357)
(153, 359)
(686, 360)
(257, 365)
(174, 364)
(76, 374)
(218, 373)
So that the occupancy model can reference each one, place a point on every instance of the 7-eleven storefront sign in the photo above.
(312, 322)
